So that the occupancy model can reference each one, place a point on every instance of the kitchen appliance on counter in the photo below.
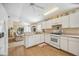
(55, 35)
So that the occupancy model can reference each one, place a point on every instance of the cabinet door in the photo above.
(64, 43)
(74, 46)
(58, 20)
(54, 22)
(44, 25)
(47, 38)
(49, 24)
(26, 42)
(65, 21)
(38, 27)
(42, 38)
(37, 39)
(74, 20)
(31, 41)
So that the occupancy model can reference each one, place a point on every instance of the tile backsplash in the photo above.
(73, 31)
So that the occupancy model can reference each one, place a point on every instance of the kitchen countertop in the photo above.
(30, 34)
(66, 35)
(71, 35)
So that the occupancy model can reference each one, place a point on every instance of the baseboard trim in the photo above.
(34, 45)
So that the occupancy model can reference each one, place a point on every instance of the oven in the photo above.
(55, 35)
(55, 40)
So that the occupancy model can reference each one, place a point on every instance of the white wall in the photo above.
(4, 17)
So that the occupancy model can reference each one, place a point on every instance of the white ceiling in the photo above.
(25, 12)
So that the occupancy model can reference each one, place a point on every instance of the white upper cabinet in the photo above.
(58, 21)
(74, 20)
(39, 27)
(70, 21)
(44, 25)
(65, 21)
(54, 21)
(49, 24)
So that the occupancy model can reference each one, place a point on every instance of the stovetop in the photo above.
(56, 33)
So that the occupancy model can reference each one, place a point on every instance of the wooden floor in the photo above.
(37, 51)
(11, 40)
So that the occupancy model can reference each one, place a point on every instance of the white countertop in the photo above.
(68, 35)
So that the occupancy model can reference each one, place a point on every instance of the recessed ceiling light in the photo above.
(51, 11)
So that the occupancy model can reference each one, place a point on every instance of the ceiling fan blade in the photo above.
(39, 6)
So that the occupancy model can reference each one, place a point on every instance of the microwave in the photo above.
(57, 27)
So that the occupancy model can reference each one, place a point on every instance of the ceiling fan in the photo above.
(37, 6)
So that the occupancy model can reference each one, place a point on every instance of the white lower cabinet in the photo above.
(47, 38)
(37, 39)
(31, 41)
(26, 42)
(64, 43)
(34, 40)
(74, 46)
(70, 44)
(42, 38)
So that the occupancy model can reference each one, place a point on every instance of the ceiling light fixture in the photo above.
(51, 11)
